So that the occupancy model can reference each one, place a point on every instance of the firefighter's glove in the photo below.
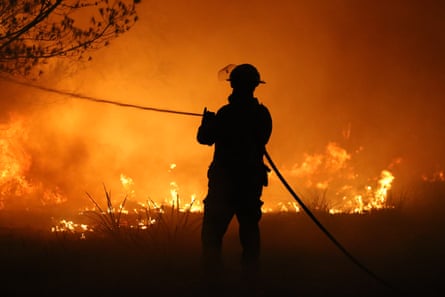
(208, 118)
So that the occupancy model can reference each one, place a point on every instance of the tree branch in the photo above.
(40, 17)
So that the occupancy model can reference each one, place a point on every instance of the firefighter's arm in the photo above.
(206, 132)
(266, 123)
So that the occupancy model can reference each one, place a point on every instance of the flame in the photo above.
(327, 172)
(53, 196)
(318, 169)
(337, 157)
(128, 185)
(329, 177)
(67, 226)
(126, 181)
(285, 207)
(370, 199)
(16, 187)
(144, 214)
(14, 161)
(174, 201)
(195, 205)
(385, 182)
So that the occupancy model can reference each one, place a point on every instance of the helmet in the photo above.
(245, 74)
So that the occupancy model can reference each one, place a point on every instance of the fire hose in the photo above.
(269, 159)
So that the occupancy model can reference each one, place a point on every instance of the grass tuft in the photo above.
(108, 221)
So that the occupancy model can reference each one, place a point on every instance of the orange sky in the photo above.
(374, 68)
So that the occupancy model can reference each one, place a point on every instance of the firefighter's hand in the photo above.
(208, 117)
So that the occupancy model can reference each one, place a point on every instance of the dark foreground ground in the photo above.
(404, 247)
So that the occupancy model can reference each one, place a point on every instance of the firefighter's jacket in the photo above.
(240, 131)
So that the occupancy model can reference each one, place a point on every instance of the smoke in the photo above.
(367, 75)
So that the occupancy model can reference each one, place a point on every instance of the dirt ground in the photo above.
(404, 248)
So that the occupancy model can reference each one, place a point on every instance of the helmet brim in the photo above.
(260, 82)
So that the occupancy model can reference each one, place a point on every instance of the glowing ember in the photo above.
(66, 226)
(437, 176)
(287, 207)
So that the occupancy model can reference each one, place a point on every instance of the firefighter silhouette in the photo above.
(237, 174)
